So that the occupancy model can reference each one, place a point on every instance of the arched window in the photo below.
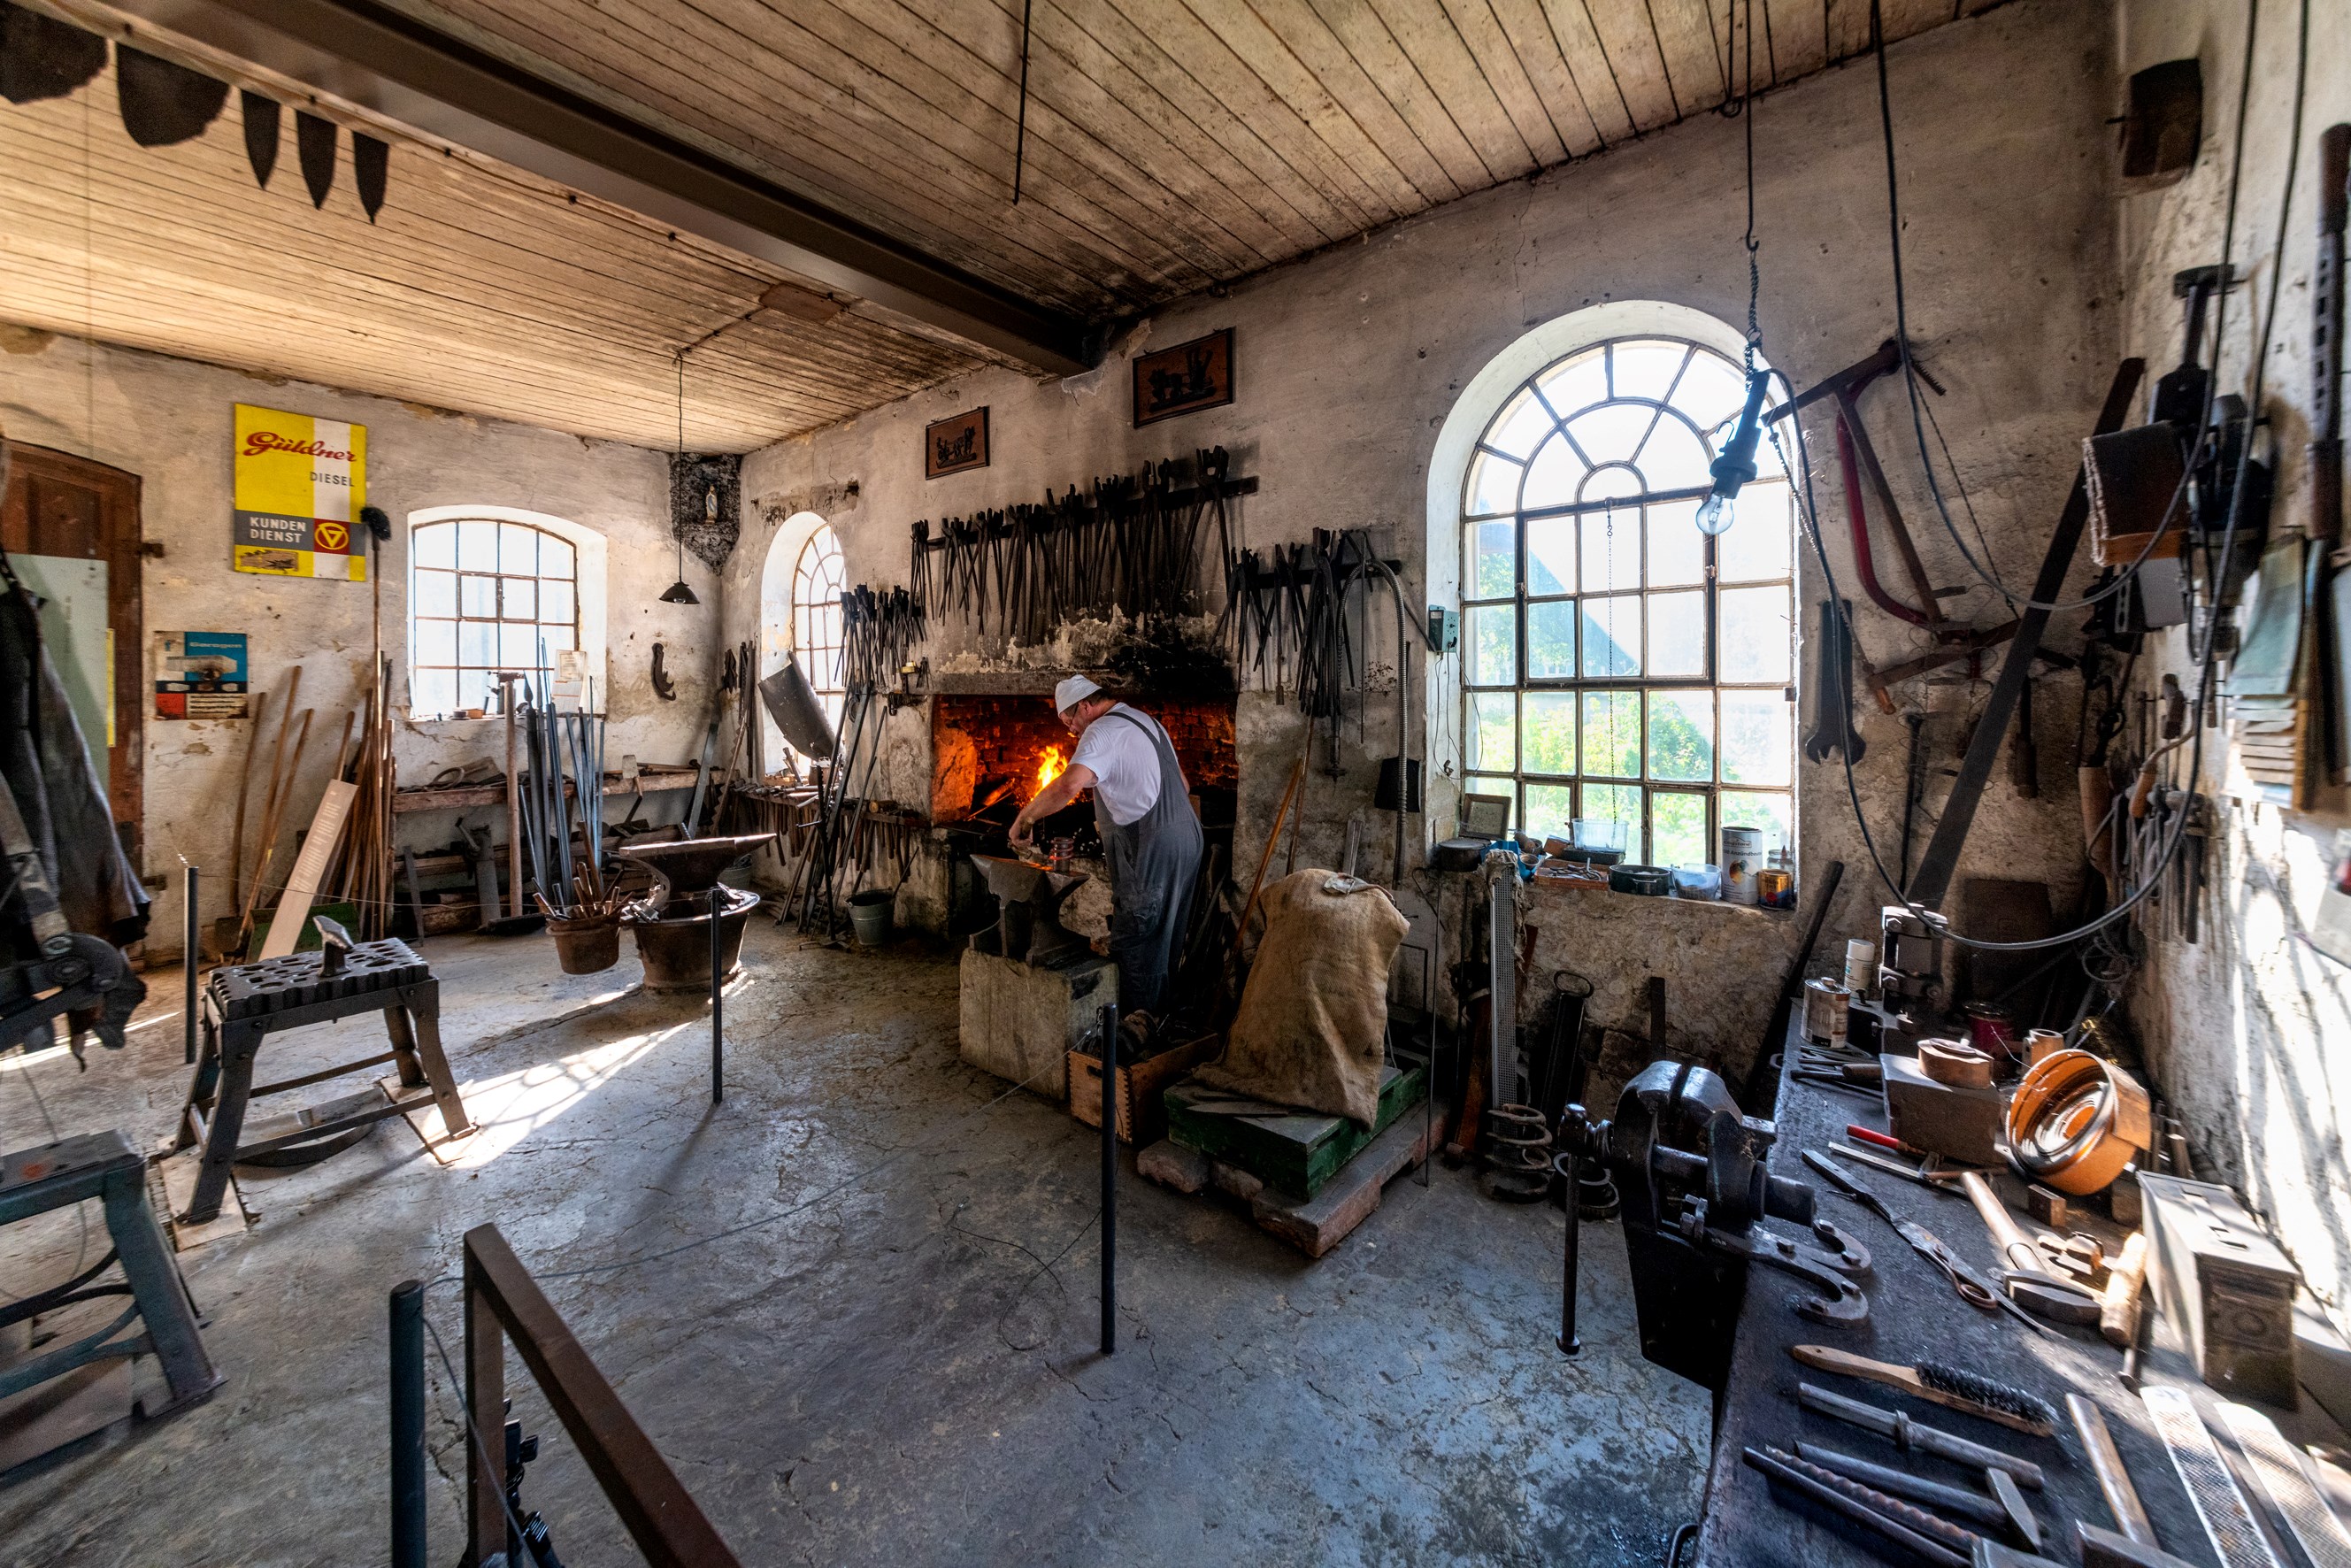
(816, 583)
(487, 594)
(1617, 663)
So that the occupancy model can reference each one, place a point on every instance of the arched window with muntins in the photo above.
(1617, 664)
(484, 595)
(817, 582)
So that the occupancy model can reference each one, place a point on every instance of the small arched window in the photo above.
(1617, 664)
(816, 583)
(484, 595)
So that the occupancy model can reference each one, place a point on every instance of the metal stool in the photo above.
(103, 1165)
(246, 1002)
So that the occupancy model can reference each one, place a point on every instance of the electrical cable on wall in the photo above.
(1808, 509)
(2123, 578)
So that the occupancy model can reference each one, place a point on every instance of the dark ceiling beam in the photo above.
(369, 54)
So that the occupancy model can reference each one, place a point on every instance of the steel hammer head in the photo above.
(2010, 1497)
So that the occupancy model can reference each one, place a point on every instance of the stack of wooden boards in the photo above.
(1308, 1178)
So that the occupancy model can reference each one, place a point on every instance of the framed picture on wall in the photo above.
(952, 445)
(1185, 379)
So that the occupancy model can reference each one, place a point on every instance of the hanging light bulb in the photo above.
(1736, 462)
(679, 592)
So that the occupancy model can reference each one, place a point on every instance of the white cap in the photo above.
(1073, 690)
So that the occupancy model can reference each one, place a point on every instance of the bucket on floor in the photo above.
(871, 914)
(587, 946)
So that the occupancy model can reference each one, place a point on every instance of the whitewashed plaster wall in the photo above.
(2250, 1029)
(1349, 361)
(170, 422)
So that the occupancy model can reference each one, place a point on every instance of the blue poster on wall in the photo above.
(199, 675)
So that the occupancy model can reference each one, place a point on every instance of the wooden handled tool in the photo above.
(2118, 1306)
(2029, 1283)
(2106, 1464)
(1950, 1386)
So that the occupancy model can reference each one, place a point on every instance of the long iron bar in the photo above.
(718, 1001)
(1110, 1178)
(408, 1519)
(191, 958)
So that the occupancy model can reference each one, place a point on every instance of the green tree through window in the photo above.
(1619, 665)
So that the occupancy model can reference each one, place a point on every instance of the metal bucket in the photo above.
(675, 948)
(871, 914)
(587, 946)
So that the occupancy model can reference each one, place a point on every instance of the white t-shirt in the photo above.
(1124, 758)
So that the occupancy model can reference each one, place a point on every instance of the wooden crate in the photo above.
(1298, 1153)
(1145, 1081)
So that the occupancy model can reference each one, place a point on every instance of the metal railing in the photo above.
(501, 1303)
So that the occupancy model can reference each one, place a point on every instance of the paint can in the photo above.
(1824, 1005)
(1742, 858)
(1861, 965)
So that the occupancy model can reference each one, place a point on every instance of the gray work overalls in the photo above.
(1154, 860)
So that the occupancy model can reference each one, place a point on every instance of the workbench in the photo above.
(652, 778)
(1914, 1314)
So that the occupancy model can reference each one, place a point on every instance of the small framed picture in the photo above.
(1485, 815)
(952, 445)
(1185, 379)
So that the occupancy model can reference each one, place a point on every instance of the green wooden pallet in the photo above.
(1296, 1152)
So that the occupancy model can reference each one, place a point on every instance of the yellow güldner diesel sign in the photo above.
(300, 483)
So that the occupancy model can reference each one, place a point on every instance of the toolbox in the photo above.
(2224, 1285)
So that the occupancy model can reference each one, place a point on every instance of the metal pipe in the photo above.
(408, 1522)
(718, 1001)
(1110, 1178)
(1569, 1344)
(191, 958)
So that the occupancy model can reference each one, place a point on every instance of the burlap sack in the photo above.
(1313, 1016)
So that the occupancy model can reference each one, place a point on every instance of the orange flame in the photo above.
(1049, 767)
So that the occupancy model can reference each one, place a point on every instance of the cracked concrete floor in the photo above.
(888, 1352)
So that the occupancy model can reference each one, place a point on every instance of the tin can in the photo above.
(1993, 1031)
(1860, 965)
(1824, 1005)
(1742, 858)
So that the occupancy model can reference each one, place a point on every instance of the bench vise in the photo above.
(1691, 1169)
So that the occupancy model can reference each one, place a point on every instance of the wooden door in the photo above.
(61, 505)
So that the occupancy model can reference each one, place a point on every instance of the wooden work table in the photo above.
(1914, 1314)
(652, 778)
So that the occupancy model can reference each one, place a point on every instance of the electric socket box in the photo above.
(1444, 629)
(2224, 1285)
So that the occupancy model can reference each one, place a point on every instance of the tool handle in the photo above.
(1863, 1134)
(2015, 1246)
(2118, 1307)
(2106, 1464)
(1955, 1500)
(1829, 1496)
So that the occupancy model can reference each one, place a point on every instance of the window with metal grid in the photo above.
(816, 583)
(486, 595)
(1618, 665)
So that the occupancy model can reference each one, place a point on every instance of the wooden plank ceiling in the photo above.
(1172, 144)
(478, 288)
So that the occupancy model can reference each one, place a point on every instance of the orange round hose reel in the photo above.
(2075, 1121)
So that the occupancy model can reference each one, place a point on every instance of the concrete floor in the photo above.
(892, 1356)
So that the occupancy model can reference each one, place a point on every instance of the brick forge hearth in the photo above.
(981, 738)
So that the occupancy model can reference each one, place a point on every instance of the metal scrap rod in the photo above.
(1108, 1178)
